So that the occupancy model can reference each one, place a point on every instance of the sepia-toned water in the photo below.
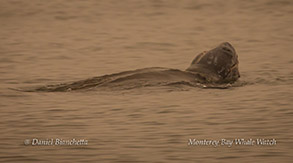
(51, 42)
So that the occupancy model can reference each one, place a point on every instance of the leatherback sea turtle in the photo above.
(216, 66)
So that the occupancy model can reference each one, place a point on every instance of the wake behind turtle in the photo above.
(214, 67)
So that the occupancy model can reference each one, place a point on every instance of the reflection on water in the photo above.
(50, 42)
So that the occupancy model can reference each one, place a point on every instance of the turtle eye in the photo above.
(232, 67)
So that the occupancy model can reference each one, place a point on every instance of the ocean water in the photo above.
(51, 42)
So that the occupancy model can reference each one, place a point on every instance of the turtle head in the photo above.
(220, 62)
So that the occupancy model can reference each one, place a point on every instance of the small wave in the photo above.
(211, 86)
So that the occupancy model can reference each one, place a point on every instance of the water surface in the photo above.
(51, 42)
